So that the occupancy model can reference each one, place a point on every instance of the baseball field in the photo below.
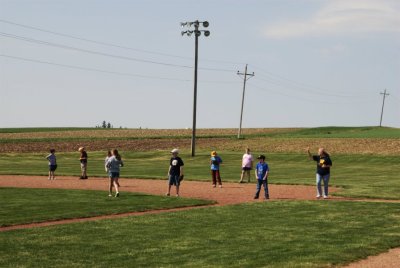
(73, 223)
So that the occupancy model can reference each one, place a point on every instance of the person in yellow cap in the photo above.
(215, 162)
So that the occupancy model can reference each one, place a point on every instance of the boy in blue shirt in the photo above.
(261, 172)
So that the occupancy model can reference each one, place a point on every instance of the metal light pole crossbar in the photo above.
(196, 33)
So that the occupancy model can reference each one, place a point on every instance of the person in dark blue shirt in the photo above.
(261, 172)
(324, 164)
(175, 172)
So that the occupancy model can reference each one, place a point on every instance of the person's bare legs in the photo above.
(248, 175)
(169, 189)
(115, 181)
(49, 175)
(241, 176)
(110, 187)
(177, 190)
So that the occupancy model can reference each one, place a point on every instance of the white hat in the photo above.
(175, 151)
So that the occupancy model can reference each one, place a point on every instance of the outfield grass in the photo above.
(368, 176)
(270, 234)
(19, 205)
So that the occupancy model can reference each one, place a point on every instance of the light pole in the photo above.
(197, 33)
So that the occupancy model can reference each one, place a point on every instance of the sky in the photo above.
(73, 63)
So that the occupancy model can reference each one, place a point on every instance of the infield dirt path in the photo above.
(230, 193)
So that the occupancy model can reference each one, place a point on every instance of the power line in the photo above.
(297, 97)
(91, 69)
(110, 44)
(109, 72)
(41, 42)
(283, 81)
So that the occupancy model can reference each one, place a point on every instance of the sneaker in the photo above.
(325, 196)
(214, 185)
(117, 194)
(240, 181)
(49, 178)
(167, 194)
(220, 186)
(318, 196)
(109, 195)
(267, 196)
(177, 195)
(256, 197)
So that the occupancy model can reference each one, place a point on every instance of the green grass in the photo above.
(340, 132)
(270, 234)
(19, 205)
(368, 176)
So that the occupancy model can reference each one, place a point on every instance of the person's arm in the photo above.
(309, 154)
(266, 175)
(255, 173)
(169, 170)
(181, 170)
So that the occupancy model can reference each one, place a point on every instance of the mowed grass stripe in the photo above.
(22, 206)
(270, 234)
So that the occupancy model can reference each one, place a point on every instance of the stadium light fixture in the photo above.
(197, 33)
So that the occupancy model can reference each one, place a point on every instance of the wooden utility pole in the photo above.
(245, 78)
(383, 105)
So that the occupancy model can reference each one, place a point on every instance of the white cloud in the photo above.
(339, 17)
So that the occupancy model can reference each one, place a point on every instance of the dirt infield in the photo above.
(230, 193)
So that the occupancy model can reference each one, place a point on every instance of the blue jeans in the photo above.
(263, 183)
(325, 178)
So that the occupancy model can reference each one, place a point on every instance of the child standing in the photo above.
(215, 161)
(247, 165)
(261, 172)
(113, 165)
(83, 159)
(52, 164)
(175, 172)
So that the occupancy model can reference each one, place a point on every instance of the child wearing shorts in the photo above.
(52, 164)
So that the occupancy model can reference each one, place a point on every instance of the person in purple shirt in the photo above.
(215, 161)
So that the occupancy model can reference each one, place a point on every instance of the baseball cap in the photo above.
(213, 153)
(81, 148)
(261, 156)
(175, 151)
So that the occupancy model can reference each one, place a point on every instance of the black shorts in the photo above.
(246, 168)
(52, 167)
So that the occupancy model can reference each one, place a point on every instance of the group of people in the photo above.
(113, 163)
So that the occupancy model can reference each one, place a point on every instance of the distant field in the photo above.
(362, 140)
(65, 134)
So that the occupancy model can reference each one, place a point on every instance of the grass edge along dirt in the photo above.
(268, 234)
(31, 205)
